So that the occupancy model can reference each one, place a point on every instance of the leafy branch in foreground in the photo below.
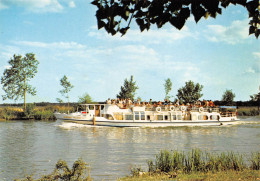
(111, 14)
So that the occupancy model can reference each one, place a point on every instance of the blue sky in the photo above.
(63, 34)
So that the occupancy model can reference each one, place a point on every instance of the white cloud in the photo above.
(38, 6)
(2, 5)
(72, 4)
(235, 33)
(257, 55)
(151, 36)
(250, 70)
(57, 45)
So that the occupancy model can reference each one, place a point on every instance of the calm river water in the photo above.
(35, 147)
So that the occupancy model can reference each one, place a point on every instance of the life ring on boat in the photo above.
(201, 109)
(183, 108)
(158, 109)
(172, 108)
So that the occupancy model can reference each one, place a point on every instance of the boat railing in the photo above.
(205, 109)
(228, 114)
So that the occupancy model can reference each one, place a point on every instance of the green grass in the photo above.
(32, 112)
(248, 111)
(228, 175)
(199, 165)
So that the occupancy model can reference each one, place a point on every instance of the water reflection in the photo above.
(37, 146)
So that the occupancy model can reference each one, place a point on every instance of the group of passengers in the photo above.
(124, 103)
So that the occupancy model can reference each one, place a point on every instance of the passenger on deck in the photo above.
(165, 102)
(198, 103)
(108, 101)
(177, 102)
(211, 104)
(138, 102)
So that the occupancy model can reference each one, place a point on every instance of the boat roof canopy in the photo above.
(92, 104)
(228, 107)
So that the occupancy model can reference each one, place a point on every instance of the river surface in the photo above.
(31, 147)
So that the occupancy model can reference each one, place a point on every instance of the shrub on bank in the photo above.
(78, 172)
(9, 113)
(44, 115)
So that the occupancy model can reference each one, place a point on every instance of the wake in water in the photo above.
(67, 125)
(249, 120)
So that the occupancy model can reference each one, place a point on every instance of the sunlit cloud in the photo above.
(72, 4)
(257, 55)
(58, 45)
(39, 6)
(2, 5)
(151, 36)
(237, 32)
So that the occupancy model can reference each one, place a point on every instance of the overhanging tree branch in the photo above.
(110, 13)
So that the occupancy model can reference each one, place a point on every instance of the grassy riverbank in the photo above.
(248, 111)
(229, 175)
(32, 112)
(199, 165)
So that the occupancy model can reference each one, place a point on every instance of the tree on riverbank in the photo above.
(116, 16)
(128, 90)
(167, 88)
(228, 97)
(85, 99)
(256, 98)
(16, 78)
(67, 86)
(190, 92)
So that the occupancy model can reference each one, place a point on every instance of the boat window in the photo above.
(214, 117)
(102, 107)
(108, 116)
(119, 116)
(174, 117)
(142, 116)
(166, 117)
(136, 115)
(200, 117)
(97, 107)
(91, 107)
(148, 117)
(179, 117)
(160, 117)
(129, 117)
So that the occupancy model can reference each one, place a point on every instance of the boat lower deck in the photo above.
(147, 123)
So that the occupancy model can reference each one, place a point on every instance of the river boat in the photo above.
(150, 116)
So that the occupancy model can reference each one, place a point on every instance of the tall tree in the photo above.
(128, 90)
(116, 16)
(167, 88)
(228, 97)
(67, 86)
(16, 78)
(190, 92)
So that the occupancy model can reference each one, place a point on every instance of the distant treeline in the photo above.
(239, 103)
